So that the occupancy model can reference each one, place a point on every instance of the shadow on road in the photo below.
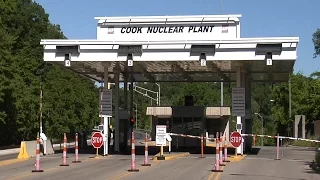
(254, 151)
(153, 150)
(139, 150)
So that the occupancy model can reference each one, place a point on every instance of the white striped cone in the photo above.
(220, 150)
(133, 155)
(64, 159)
(202, 146)
(76, 150)
(146, 154)
(37, 165)
(217, 164)
(225, 150)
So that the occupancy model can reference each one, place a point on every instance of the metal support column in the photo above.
(117, 123)
(240, 83)
(105, 119)
(125, 86)
(248, 118)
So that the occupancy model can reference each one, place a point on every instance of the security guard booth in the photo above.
(190, 120)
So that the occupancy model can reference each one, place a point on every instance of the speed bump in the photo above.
(171, 156)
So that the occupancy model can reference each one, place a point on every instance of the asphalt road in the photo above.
(187, 168)
(112, 167)
(294, 165)
(8, 156)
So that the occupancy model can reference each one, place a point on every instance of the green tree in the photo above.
(23, 23)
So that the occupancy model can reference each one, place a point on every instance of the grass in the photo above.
(303, 143)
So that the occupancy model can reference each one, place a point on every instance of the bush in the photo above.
(317, 159)
(303, 143)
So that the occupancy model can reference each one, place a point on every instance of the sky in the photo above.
(260, 18)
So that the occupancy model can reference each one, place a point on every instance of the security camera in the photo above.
(67, 60)
(269, 58)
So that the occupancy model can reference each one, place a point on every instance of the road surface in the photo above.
(292, 166)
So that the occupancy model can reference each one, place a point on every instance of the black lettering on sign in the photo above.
(133, 30)
(165, 29)
(200, 29)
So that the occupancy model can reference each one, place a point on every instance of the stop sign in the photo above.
(235, 139)
(97, 140)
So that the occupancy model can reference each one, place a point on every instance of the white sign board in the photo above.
(269, 62)
(238, 102)
(203, 62)
(161, 131)
(161, 31)
(130, 62)
(67, 63)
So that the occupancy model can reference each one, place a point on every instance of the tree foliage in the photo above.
(70, 102)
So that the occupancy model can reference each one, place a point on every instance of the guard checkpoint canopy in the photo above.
(203, 48)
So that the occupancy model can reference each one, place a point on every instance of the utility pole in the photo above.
(136, 114)
(289, 103)
(41, 129)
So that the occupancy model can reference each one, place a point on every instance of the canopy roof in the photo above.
(169, 56)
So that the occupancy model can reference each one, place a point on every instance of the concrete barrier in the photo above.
(50, 149)
(31, 148)
(23, 151)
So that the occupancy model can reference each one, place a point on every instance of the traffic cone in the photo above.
(37, 165)
(76, 150)
(217, 164)
(133, 155)
(220, 150)
(146, 152)
(278, 147)
(64, 160)
(202, 141)
(225, 150)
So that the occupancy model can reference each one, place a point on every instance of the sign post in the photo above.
(161, 131)
(97, 141)
(235, 140)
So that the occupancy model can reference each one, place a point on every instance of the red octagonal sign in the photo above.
(235, 139)
(97, 140)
